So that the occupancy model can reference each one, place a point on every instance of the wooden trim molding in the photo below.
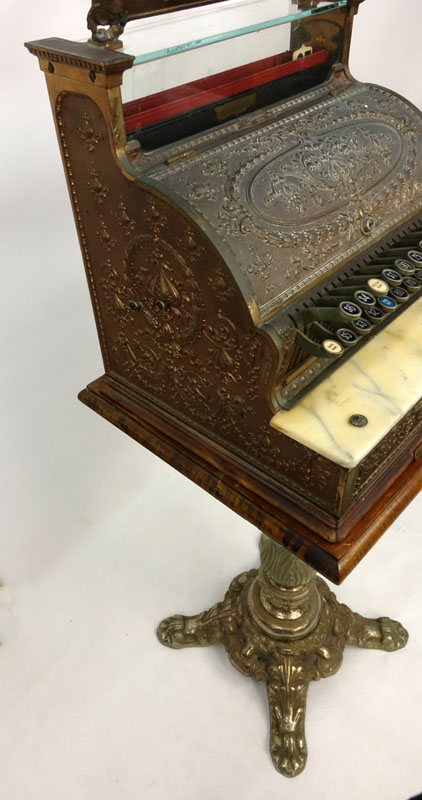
(243, 494)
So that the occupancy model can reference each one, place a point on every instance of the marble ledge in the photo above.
(382, 382)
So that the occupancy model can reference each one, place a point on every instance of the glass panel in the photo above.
(189, 84)
(143, 58)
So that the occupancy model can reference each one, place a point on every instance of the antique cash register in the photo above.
(250, 219)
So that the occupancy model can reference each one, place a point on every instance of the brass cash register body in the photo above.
(246, 237)
(205, 257)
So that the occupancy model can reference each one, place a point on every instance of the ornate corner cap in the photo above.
(80, 54)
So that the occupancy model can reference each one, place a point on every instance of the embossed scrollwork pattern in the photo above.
(288, 197)
(376, 462)
(88, 134)
(169, 313)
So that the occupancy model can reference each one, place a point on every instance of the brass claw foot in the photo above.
(287, 691)
(372, 634)
(392, 635)
(209, 627)
(283, 625)
(382, 634)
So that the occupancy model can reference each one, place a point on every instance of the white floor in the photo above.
(100, 540)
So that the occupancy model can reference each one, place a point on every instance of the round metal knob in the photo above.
(367, 225)
(358, 420)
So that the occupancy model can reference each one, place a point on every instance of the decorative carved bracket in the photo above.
(116, 13)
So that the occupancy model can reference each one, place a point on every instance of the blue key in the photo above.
(387, 303)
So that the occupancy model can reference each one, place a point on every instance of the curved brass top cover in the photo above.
(287, 197)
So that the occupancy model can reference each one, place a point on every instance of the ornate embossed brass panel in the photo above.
(287, 199)
(257, 210)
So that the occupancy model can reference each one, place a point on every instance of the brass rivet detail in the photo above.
(134, 305)
(160, 305)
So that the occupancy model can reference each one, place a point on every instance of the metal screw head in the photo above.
(160, 305)
(358, 420)
(134, 305)
(367, 225)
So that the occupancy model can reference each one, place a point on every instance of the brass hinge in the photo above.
(340, 80)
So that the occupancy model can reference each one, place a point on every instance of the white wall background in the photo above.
(100, 540)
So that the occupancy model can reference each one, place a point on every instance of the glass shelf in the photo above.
(143, 58)
(195, 69)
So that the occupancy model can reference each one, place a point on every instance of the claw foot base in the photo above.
(286, 664)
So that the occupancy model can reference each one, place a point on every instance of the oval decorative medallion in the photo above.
(294, 193)
(323, 172)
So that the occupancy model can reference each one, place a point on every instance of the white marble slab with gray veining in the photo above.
(382, 382)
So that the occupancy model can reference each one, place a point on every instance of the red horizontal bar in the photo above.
(195, 94)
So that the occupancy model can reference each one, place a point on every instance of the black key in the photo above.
(405, 267)
(392, 277)
(364, 299)
(399, 294)
(415, 256)
(411, 284)
(418, 274)
(374, 314)
(347, 337)
(362, 326)
(349, 310)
